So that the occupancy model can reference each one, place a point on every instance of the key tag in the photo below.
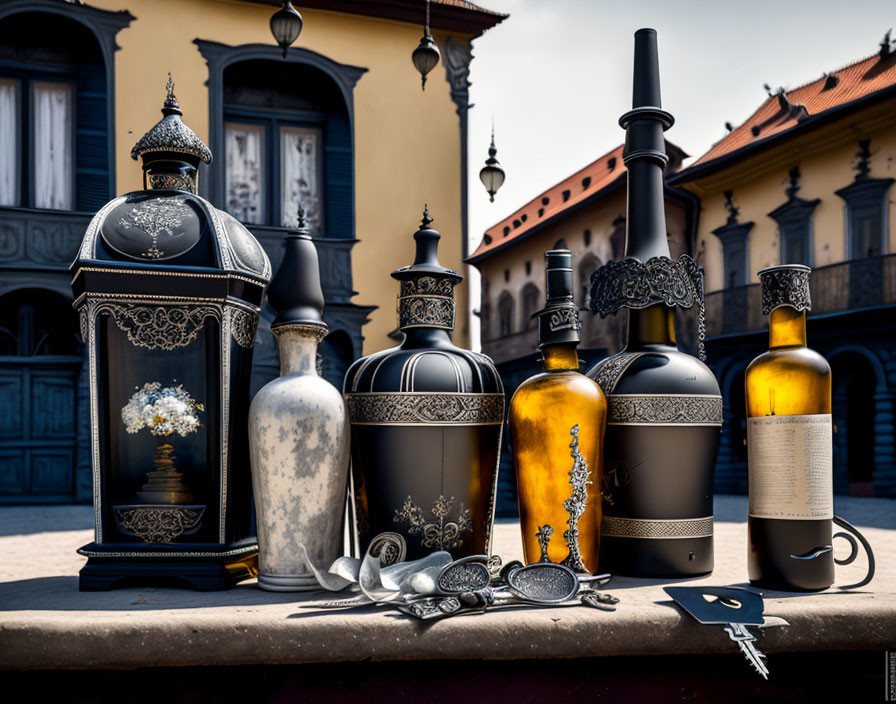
(853, 553)
(719, 605)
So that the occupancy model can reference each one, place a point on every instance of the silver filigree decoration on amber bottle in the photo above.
(543, 536)
(579, 479)
(440, 533)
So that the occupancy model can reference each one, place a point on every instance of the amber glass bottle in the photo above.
(557, 421)
(788, 393)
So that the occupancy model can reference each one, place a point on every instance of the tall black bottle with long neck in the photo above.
(665, 409)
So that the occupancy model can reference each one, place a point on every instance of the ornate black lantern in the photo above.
(286, 26)
(168, 290)
(492, 175)
(426, 55)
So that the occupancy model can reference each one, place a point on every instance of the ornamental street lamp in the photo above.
(286, 25)
(426, 55)
(492, 175)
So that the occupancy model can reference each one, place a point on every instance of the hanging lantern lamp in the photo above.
(286, 25)
(426, 55)
(492, 175)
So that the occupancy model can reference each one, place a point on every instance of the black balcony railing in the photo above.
(851, 285)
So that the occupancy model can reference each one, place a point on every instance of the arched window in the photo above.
(531, 302)
(287, 141)
(560, 244)
(587, 266)
(505, 315)
(55, 146)
(286, 130)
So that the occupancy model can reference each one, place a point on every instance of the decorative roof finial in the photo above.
(171, 106)
(170, 135)
(302, 222)
(426, 221)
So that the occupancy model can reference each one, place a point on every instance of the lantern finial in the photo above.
(302, 222)
(171, 106)
(426, 221)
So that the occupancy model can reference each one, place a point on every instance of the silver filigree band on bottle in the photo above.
(630, 283)
(785, 285)
(426, 311)
(617, 527)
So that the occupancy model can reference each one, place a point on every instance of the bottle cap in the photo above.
(785, 285)
(295, 292)
(558, 321)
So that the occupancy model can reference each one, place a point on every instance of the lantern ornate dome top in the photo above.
(168, 226)
(171, 136)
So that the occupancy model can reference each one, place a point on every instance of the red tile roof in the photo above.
(786, 110)
(583, 185)
(573, 190)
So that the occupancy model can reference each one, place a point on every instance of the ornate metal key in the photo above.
(539, 584)
(735, 609)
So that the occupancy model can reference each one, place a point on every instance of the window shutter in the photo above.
(338, 195)
(91, 138)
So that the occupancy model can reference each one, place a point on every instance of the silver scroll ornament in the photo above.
(440, 533)
(631, 283)
(786, 285)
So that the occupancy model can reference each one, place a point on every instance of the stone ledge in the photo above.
(46, 623)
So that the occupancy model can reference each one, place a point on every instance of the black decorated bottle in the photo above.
(664, 406)
(426, 420)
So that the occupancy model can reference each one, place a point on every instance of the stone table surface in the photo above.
(45, 622)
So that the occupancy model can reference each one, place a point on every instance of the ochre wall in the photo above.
(826, 158)
(407, 142)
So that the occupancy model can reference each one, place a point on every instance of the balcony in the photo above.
(48, 240)
(851, 285)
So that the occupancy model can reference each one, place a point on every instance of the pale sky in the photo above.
(557, 74)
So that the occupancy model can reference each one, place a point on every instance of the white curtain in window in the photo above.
(245, 164)
(53, 168)
(9, 142)
(300, 176)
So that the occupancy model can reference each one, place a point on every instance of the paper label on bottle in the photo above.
(791, 467)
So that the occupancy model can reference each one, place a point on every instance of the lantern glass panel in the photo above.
(130, 457)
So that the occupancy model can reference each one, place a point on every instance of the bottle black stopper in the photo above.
(295, 292)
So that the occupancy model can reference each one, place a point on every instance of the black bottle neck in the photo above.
(419, 338)
(645, 235)
(651, 326)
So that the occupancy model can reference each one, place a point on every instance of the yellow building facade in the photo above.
(339, 124)
(808, 179)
